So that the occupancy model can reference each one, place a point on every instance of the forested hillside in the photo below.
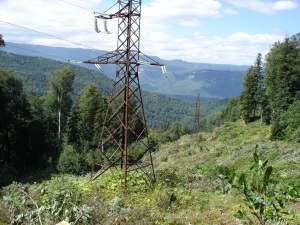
(50, 108)
(35, 72)
(271, 91)
(160, 109)
(187, 78)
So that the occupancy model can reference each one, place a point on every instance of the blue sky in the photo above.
(209, 31)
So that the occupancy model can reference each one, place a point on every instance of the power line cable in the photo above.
(86, 8)
(141, 73)
(50, 35)
(76, 6)
(171, 87)
(37, 52)
(111, 7)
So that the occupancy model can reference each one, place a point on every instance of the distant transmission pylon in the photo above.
(124, 143)
(196, 126)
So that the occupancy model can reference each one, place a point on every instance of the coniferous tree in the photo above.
(253, 95)
(282, 81)
(87, 118)
(296, 39)
(260, 96)
(291, 120)
(82, 134)
(247, 101)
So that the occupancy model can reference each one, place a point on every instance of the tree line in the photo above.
(271, 92)
(52, 131)
(38, 131)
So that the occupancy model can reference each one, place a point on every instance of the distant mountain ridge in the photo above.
(184, 80)
(159, 109)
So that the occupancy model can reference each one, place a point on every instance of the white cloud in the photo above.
(58, 19)
(263, 6)
(284, 5)
(238, 48)
(178, 10)
(189, 23)
(170, 29)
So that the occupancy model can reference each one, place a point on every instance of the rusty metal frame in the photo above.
(125, 107)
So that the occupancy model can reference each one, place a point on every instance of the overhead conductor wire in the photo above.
(50, 35)
(171, 86)
(56, 57)
(76, 6)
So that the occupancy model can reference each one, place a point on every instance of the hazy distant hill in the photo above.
(159, 109)
(184, 80)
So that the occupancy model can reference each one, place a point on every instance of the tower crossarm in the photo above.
(120, 57)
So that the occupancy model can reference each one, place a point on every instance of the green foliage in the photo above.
(35, 205)
(70, 161)
(247, 100)
(168, 133)
(282, 81)
(193, 185)
(8, 174)
(231, 113)
(264, 202)
(85, 122)
(20, 131)
(35, 72)
(159, 109)
(286, 126)
(59, 98)
(252, 99)
(291, 121)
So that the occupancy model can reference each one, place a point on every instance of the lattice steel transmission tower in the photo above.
(196, 126)
(124, 143)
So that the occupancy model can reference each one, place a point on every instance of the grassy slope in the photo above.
(189, 188)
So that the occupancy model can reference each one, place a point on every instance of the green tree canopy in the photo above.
(282, 81)
(247, 99)
(282, 77)
(253, 98)
(231, 112)
(58, 99)
(296, 39)
(291, 119)
(16, 149)
(87, 118)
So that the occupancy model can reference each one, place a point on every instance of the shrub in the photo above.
(8, 174)
(265, 203)
(24, 204)
(70, 161)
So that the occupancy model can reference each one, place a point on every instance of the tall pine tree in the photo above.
(282, 81)
(253, 99)
(247, 102)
